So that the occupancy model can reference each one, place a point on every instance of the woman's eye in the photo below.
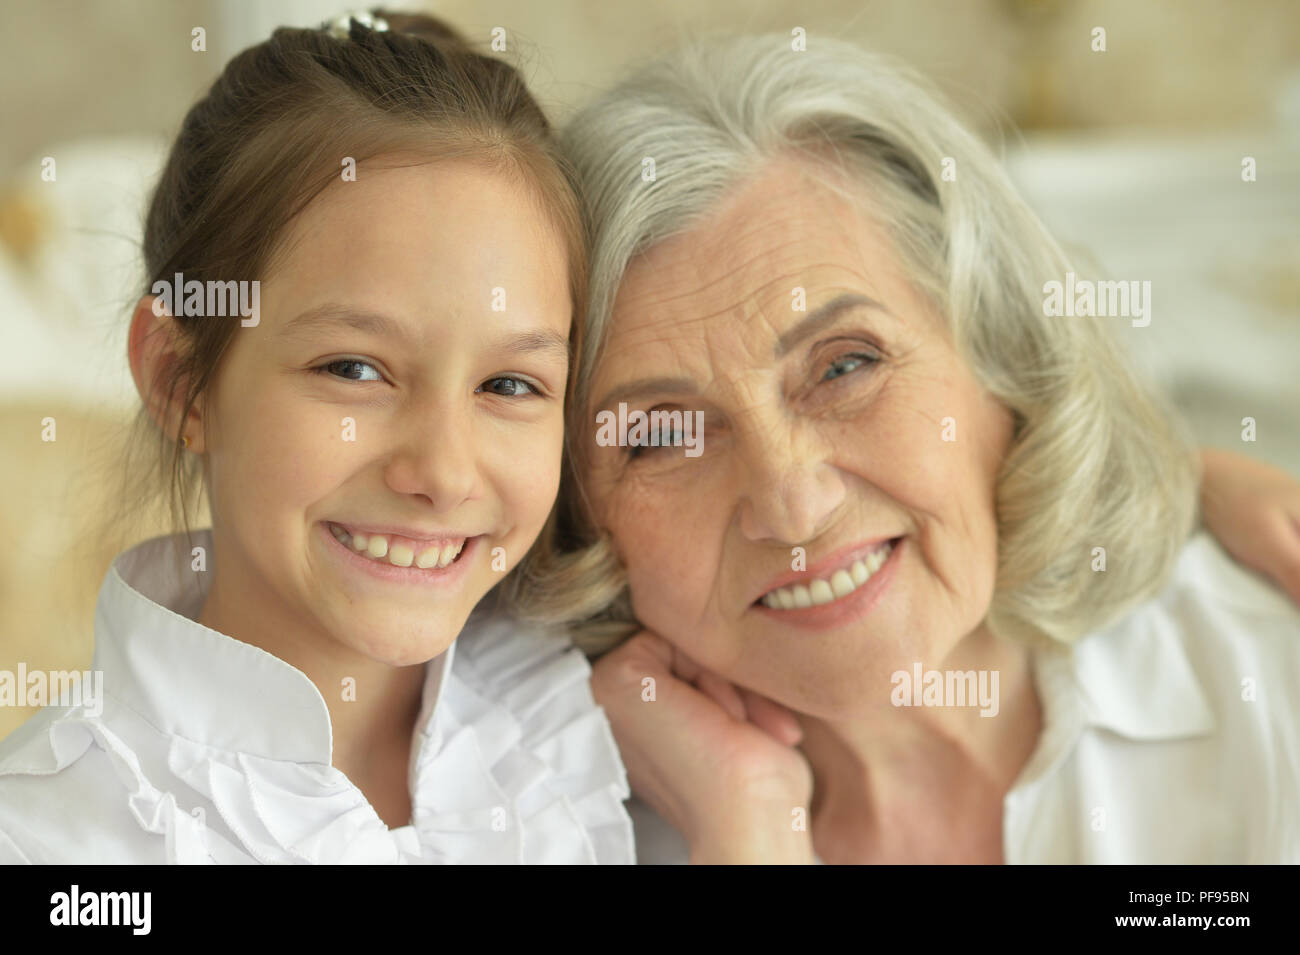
(635, 451)
(667, 439)
(352, 370)
(846, 364)
(508, 387)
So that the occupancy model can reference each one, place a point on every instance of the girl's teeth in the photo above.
(842, 583)
(377, 547)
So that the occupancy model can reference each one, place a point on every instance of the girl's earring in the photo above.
(185, 441)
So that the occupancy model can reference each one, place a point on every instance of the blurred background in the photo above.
(1133, 155)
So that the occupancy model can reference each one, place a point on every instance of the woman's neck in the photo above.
(925, 783)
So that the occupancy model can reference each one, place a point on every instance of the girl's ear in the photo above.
(154, 348)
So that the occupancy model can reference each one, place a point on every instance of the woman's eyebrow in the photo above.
(821, 317)
(818, 319)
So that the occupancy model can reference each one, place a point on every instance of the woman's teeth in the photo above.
(378, 548)
(842, 583)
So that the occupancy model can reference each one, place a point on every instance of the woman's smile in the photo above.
(844, 588)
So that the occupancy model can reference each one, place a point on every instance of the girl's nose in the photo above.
(436, 458)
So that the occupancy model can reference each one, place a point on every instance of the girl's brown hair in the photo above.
(277, 127)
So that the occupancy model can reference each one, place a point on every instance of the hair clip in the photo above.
(341, 27)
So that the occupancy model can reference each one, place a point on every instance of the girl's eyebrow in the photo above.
(546, 342)
(323, 317)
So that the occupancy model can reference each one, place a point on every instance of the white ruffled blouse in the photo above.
(209, 750)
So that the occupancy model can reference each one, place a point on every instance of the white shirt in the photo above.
(1152, 750)
(212, 750)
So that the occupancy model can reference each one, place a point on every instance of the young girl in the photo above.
(364, 263)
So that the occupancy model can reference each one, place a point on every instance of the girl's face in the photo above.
(385, 443)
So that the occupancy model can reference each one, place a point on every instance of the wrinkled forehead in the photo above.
(724, 291)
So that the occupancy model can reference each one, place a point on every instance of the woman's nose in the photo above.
(792, 491)
(435, 457)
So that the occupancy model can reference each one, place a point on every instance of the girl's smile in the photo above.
(436, 562)
(401, 548)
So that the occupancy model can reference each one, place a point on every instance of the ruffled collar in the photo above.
(512, 760)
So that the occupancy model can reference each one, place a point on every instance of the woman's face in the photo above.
(395, 419)
(830, 432)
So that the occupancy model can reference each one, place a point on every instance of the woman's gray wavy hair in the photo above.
(1096, 460)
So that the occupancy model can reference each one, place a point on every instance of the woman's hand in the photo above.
(1254, 511)
(717, 761)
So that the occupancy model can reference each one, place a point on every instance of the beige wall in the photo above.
(71, 68)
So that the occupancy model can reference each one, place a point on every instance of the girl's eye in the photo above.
(508, 387)
(847, 363)
(352, 370)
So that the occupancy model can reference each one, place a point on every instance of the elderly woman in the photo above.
(922, 589)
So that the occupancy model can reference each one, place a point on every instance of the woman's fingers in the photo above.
(652, 646)
(742, 704)
(721, 692)
(713, 759)
(738, 702)
(683, 666)
(771, 717)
